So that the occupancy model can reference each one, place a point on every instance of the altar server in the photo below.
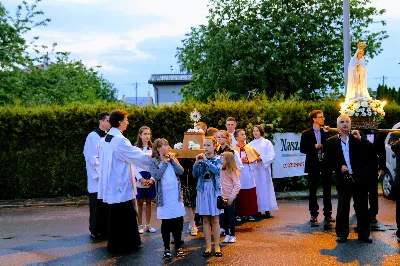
(265, 188)
(117, 185)
(98, 210)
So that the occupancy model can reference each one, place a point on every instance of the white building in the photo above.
(168, 86)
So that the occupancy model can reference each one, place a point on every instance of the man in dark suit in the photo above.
(311, 144)
(394, 141)
(348, 155)
(380, 153)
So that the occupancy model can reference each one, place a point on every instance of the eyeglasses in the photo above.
(320, 117)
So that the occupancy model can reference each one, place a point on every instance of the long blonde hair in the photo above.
(157, 144)
(229, 163)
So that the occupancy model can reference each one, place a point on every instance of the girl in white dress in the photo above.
(165, 168)
(206, 169)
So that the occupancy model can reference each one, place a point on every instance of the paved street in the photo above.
(59, 236)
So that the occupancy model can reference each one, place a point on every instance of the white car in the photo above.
(390, 175)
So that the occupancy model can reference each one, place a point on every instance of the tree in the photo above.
(274, 46)
(24, 82)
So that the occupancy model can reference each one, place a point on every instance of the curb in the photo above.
(288, 196)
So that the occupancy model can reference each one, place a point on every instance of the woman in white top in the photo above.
(146, 189)
(165, 168)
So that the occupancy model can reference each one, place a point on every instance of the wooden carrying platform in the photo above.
(185, 153)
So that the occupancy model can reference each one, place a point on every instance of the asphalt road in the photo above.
(59, 236)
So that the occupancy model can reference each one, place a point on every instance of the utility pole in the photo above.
(383, 80)
(346, 40)
(136, 94)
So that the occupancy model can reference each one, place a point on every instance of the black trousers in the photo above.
(373, 197)
(174, 226)
(98, 220)
(123, 233)
(396, 191)
(359, 192)
(229, 219)
(314, 179)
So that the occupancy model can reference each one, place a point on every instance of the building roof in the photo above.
(141, 101)
(170, 78)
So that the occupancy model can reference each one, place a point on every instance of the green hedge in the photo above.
(41, 148)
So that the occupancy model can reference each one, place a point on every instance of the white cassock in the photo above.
(91, 153)
(117, 180)
(265, 188)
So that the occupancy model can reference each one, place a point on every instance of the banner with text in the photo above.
(289, 161)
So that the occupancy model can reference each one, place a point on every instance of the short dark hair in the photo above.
(231, 118)
(261, 129)
(211, 131)
(117, 116)
(103, 115)
(313, 114)
(236, 133)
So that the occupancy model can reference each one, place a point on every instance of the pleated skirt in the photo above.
(206, 201)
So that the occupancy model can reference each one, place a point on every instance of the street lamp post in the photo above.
(346, 40)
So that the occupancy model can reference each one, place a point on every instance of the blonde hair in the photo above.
(227, 136)
(229, 163)
(157, 144)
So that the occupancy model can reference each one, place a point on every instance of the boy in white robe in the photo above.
(98, 209)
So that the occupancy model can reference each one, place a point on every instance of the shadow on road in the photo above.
(362, 253)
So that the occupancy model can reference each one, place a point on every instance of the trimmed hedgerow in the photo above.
(41, 148)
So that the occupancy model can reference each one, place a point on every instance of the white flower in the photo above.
(356, 114)
(379, 110)
(364, 104)
(195, 130)
(373, 105)
(351, 113)
(193, 145)
(178, 146)
(375, 113)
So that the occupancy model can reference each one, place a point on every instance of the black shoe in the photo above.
(329, 219)
(206, 254)
(180, 253)
(95, 236)
(167, 254)
(313, 219)
(341, 239)
(365, 240)
(268, 215)
(374, 221)
(218, 254)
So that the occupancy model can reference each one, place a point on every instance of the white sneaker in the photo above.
(194, 231)
(251, 218)
(222, 231)
(232, 239)
(150, 229)
(141, 230)
(238, 218)
(227, 239)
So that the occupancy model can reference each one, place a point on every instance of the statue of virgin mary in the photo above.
(357, 75)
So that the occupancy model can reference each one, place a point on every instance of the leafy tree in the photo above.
(274, 46)
(23, 81)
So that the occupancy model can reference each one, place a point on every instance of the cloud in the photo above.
(391, 7)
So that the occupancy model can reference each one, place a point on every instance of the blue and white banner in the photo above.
(289, 161)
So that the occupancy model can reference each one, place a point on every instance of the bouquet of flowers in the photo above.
(193, 145)
(178, 146)
(195, 130)
(364, 108)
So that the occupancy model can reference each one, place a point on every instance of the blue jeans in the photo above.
(229, 219)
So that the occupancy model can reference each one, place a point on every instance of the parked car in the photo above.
(390, 173)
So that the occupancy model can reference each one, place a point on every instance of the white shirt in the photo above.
(91, 153)
(234, 141)
(117, 181)
(346, 153)
(137, 170)
(371, 137)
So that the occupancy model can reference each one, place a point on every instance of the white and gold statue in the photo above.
(357, 75)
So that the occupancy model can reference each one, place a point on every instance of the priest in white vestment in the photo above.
(117, 184)
(266, 199)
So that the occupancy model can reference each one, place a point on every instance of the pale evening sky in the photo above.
(133, 39)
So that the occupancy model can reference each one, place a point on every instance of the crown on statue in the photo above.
(361, 46)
